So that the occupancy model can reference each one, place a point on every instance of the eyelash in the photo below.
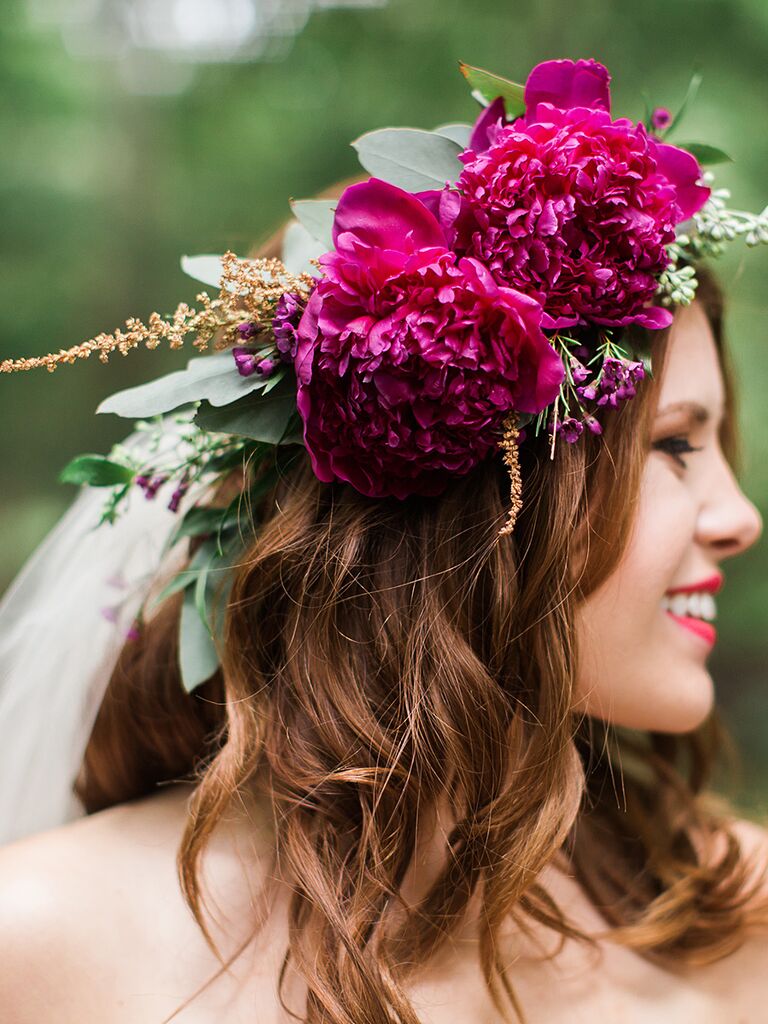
(676, 447)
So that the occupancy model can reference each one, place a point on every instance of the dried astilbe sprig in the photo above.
(510, 446)
(249, 289)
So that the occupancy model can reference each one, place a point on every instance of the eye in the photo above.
(676, 446)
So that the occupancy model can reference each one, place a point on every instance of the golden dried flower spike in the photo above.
(249, 288)
(509, 444)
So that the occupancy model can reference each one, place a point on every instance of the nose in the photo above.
(728, 521)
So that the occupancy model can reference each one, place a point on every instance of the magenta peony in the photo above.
(409, 358)
(570, 206)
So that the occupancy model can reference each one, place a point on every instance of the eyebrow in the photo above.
(697, 412)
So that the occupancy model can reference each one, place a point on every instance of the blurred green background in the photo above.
(137, 130)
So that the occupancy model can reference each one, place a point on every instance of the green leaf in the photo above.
(409, 158)
(705, 154)
(316, 215)
(198, 521)
(459, 133)
(207, 269)
(96, 471)
(198, 658)
(179, 582)
(690, 96)
(299, 249)
(213, 379)
(259, 417)
(232, 458)
(491, 86)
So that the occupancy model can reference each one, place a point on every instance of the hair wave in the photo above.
(386, 659)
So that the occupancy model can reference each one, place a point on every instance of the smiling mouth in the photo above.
(704, 630)
(695, 612)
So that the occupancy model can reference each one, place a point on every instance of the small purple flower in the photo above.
(150, 486)
(591, 423)
(266, 367)
(570, 429)
(290, 307)
(109, 612)
(247, 330)
(177, 495)
(134, 632)
(116, 580)
(661, 118)
(616, 383)
(579, 372)
(245, 361)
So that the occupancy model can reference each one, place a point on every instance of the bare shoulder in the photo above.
(740, 977)
(66, 902)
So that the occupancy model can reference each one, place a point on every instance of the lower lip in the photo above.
(704, 630)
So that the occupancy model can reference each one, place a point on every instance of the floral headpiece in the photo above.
(481, 280)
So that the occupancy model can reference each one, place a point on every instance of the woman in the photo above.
(443, 773)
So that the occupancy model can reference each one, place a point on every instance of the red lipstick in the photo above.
(709, 586)
(703, 630)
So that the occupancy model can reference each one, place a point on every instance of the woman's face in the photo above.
(645, 635)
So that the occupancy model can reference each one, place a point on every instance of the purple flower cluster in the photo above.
(248, 363)
(425, 328)
(288, 313)
(616, 382)
(150, 484)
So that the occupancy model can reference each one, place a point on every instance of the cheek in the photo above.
(630, 671)
(662, 536)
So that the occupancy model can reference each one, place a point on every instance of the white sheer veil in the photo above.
(58, 647)
(63, 623)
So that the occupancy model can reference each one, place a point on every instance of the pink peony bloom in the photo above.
(570, 206)
(409, 358)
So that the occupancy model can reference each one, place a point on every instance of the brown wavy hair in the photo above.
(384, 658)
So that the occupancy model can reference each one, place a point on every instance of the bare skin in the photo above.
(93, 928)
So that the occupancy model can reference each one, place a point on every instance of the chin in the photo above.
(676, 703)
(680, 705)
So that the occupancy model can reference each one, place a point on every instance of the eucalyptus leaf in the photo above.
(259, 417)
(705, 154)
(410, 158)
(213, 379)
(458, 133)
(273, 381)
(207, 269)
(198, 521)
(96, 471)
(490, 86)
(198, 658)
(299, 249)
(316, 215)
(179, 582)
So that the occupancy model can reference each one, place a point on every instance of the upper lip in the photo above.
(711, 585)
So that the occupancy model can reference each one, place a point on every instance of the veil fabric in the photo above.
(63, 623)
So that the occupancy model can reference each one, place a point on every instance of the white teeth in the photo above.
(679, 604)
(708, 608)
(696, 606)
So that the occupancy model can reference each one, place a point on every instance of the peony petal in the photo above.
(655, 318)
(566, 84)
(385, 217)
(307, 336)
(479, 140)
(684, 172)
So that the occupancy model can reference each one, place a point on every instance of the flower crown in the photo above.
(481, 280)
